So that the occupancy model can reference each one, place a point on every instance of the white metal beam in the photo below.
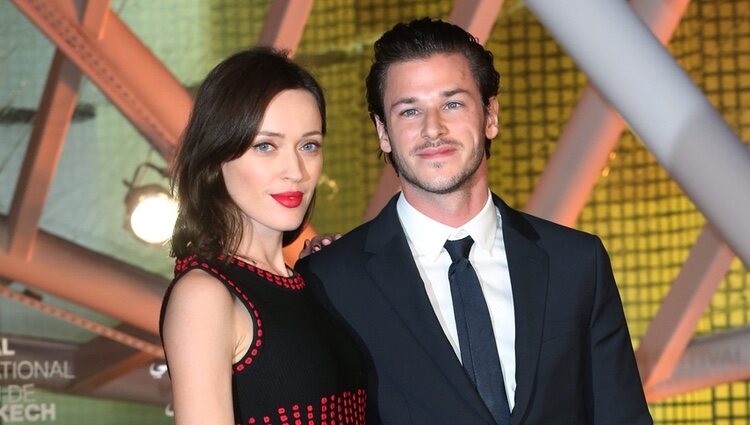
(672, 117)
(591, 134)
(708, 361)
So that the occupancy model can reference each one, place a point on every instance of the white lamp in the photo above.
(153, 213)
(150, 210)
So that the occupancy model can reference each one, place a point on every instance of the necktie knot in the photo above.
(459, 249)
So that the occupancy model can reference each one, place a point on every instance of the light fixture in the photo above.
(150, 209)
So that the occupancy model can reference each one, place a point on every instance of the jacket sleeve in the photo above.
(617, 393)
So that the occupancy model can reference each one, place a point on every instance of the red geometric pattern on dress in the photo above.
(347, 408)
(185, 264)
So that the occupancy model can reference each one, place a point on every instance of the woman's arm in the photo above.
(199, 339)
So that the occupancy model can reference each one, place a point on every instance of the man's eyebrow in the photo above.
(449, 93)
(411, 100)
(404, 101)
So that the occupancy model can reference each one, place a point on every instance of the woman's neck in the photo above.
(263, 251)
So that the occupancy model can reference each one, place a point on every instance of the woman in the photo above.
(244, 340)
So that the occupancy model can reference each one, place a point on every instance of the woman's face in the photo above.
(274, 180)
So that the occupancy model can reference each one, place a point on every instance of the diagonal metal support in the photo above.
(475, 16)
(102, 360)
(284, 24)
(708, 361)
(121, 66)
(151, 349)
(103, 374)
(78, 370)
(77, 274)
(42, 155)
(674, 324)
(51, 124)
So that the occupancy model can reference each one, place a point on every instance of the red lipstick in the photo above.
(288, 199)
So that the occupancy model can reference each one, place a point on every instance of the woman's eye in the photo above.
(311, 146)
(263, 147)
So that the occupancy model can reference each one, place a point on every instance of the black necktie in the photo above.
(475, 335)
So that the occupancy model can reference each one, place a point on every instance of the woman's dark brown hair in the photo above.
(226, 117)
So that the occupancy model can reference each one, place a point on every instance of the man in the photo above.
(519, 324)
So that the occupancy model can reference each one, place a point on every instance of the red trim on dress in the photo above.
(335, 409)
(295, 282)
(189, 263)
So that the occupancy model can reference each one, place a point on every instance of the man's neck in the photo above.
(452, 209)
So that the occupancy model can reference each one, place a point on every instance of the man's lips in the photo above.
(288, 199)
(436, 152)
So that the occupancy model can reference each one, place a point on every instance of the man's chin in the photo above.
(438, 186)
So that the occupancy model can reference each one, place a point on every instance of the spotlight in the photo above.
(152, 213)
(150, 210)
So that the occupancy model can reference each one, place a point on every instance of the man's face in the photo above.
(435, 123)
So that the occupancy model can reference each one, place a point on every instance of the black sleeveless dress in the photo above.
(302, 367)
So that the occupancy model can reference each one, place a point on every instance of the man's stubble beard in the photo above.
(441, 187)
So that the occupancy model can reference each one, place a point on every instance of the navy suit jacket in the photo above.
(574, 359)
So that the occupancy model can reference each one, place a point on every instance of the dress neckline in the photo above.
(294, 282)
(291, 282)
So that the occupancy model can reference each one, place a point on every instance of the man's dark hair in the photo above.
(226, 117)
(420, 39)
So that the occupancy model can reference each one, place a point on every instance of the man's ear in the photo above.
(492, 127)
(385, 141)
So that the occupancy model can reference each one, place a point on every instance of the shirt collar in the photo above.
(428, 236)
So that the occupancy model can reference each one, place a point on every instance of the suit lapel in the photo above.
(528, 265)
(393, 269)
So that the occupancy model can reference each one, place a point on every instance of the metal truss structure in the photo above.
(91, 40)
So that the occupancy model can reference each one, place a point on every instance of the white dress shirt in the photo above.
(426, 238)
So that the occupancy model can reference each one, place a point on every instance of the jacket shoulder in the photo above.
(350, 245)
(543, 231)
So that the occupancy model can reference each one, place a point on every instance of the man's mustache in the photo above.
(434, 144)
